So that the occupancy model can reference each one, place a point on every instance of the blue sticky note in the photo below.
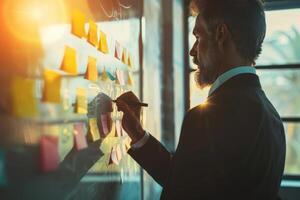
(2, 169)
(111, 77)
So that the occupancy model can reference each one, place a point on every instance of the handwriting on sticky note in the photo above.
(81, 101)
(78, 22)
(92, 37)
(49, 158)
(52, 85)
(79, 136)
(23, 99)
(69, 63)
(94, 129)
(91, 70)
(103, 47)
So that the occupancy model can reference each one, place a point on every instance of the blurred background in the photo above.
(48, 81)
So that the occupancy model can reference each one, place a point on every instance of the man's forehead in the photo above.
(199, 24)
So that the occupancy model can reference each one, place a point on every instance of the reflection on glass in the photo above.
(292, 161)
(282, 42)
(282, 88)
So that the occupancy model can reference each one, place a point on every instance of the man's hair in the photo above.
(245, 20)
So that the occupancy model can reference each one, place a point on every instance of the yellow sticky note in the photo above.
(91, 71)
(81, 101)
(129, 80)
(78, 21)
(104, 75)
(103, 43)
(129, 62)
(117, 81)
(52, 84)
(69, 63)
(24, 103)
(92, 37)
(94, 129)
(124, 56)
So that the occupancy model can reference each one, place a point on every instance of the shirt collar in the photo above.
(229, 74)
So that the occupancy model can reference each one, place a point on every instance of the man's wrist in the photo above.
(138, 144)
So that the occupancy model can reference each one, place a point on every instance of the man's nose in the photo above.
(193, 51)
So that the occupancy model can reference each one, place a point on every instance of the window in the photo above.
(279, 70)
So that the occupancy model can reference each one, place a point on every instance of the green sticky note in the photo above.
(2, 168)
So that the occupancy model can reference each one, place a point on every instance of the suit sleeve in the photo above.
(154, 158)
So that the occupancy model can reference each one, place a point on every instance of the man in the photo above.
(232, 147)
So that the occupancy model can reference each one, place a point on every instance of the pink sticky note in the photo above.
(105, 122)
(118, 50)
(79, 137)
(49, 158)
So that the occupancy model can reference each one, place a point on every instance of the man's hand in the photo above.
(131, 116)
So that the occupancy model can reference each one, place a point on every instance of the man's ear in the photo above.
(222, 36)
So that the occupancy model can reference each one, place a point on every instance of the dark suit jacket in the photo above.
(231, 148)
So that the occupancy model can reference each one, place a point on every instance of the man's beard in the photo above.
(204, 78)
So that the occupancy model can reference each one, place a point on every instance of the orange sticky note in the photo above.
(129, 62)
(92, 37)
(129, 80)
(69, 63)
(81, 101)
(104, 75)
(52, 84)
(103, 43)
(118, 50)
(78, 21)
(49, 158)
(94, 129)
(91, 70)
(124, 56)
(24, 102)
(79, 137)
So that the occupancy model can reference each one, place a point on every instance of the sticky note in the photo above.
(78, 21)
(124, 56)
(110, 76)
(79, 136)
(24, 102)
(106, 124)
(119, 77)
(49, 158)
(3, 177)
(69, 63)
(118, 128)
(118, 152)
(91, 70)
(118, 50)
(129, 80)
(123, 147)
(92, 37)
(81, 101)
(94, 129)
(129, 62)
(103, 43)
(113, 158)
(104, 75)
(52, 85)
